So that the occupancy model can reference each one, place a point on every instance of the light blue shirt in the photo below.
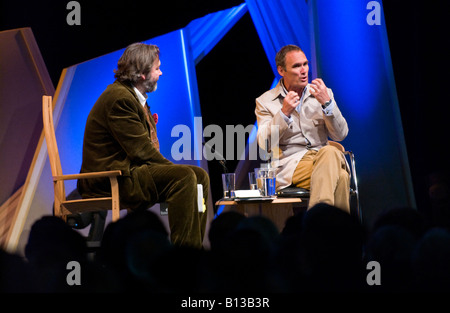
(328, 111)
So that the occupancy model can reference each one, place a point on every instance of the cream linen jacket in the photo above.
(309, 129)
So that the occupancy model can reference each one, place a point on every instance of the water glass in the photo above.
(228, 182)
(252, 180)
(266, 181)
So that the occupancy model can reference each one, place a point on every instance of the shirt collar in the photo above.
(284, 91)
(142, 99)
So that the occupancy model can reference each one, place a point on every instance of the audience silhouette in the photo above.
(321, 249)
(431, 261)
(51, 245)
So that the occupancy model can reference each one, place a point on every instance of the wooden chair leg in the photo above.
(115, 199)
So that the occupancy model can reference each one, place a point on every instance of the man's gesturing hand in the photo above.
(290, 102)
(319, 91)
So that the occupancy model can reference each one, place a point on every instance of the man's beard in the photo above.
(150, 85)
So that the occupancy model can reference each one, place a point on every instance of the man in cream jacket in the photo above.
(295, 120)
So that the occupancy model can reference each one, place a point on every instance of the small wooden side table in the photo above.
(278, 210)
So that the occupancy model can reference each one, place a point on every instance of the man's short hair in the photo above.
(280, 58)
(137, 59)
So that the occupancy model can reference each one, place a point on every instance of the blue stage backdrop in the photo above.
(347, 45)
(350, 54)
(176, 101)
(353, 58)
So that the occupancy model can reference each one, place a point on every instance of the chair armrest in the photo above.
(87, 175)
(336, 145)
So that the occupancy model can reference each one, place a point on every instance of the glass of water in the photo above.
(252, 181)
(266, 181)
(228, 182)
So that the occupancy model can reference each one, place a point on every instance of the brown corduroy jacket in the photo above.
(117, 137)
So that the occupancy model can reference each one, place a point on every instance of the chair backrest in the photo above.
(52, 147)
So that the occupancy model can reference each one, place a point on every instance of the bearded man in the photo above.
(120, 134)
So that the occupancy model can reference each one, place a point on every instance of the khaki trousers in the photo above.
(325, 174)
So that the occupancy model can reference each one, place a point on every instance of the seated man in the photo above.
(120, 134)
(295, 120)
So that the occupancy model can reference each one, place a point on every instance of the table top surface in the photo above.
(273, 200)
